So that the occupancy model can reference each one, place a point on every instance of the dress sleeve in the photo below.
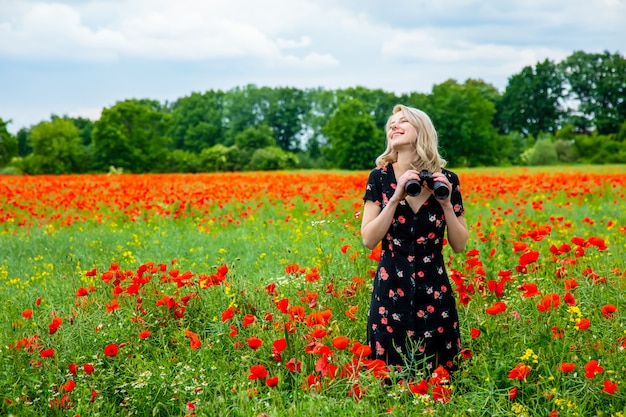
(455, 197)
(374, 189)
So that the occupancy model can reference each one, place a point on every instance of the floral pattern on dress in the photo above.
(413, 318)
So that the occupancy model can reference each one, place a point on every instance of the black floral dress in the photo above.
(413, 319)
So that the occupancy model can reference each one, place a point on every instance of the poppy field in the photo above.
(246, 294)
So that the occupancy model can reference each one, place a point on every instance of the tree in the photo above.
(542, 153)
(378, 103)
(132, 135)
(243, 108)
(197, 121)
(531, 103)
(285, 116)
(249, 141)
(8, 144)
(598, 83)
(463, 116)
(354, 141)
(56, 148)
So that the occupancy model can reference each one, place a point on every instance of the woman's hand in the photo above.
(440, 177)
(400, 191)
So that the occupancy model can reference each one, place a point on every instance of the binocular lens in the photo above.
(413, 188)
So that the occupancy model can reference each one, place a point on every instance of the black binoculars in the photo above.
(414, 187)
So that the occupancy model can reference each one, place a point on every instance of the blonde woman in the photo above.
(413, 321)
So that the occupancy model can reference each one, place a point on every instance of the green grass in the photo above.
(162, 375)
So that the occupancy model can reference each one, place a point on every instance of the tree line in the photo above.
(573, 111)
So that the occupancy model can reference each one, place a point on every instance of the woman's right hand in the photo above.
(400, 191)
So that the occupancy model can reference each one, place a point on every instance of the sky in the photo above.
(76, 57)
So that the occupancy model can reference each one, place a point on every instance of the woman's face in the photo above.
(400, 131)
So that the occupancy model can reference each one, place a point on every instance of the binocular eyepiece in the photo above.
(414, 187)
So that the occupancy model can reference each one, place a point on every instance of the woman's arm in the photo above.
(457, 229)
(375, 222)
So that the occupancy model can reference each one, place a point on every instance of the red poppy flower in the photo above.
(46, 353)
(82, 292)
(360, 350)
(248, 319)
(466, 353)
(228, 314)
(27, 314)
(145, 334)
(194, 340)
(609, 387)
(474, 332)
(582, 324)
(351, 312)
(569, 299)
(294, 365)
(68, 386)
(549, 302)
(557, 333)
(530, 290)
(520, 372)
(279, 345)
(254, 342)
(88, 368)
(271, 381)
(592, 368)
(497, 308)
(54, 326)
(513, 393)
(421, 388)
(441, 394)
(567, 367)
(340, 342)
(519, 246)
(111, 350)
(608, 310)
(112, 306)
(257, 372)
(73, 368)
(528, 257)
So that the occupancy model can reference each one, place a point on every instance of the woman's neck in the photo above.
(405, 162)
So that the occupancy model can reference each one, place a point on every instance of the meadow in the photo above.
(246, 294)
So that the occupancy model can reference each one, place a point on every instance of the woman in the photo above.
(412, 321)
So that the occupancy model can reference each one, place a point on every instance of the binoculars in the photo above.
(414, 187)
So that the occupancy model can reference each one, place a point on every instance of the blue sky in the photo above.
(70, 57)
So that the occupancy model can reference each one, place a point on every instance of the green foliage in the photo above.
(566, 150)
(285, 114)
(542, 153)
(218, 158)
(462, 116)
(531, 101)
(8, 144)
(132, 135)
(597, 82)
(354, 141)
(180, 160)
(56, 148)
(197, 121)
(23, 142)
(272, 158)
(600, 149)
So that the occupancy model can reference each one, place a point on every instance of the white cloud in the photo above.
(58, 54)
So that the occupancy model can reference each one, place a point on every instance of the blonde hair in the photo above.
(426, 145)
